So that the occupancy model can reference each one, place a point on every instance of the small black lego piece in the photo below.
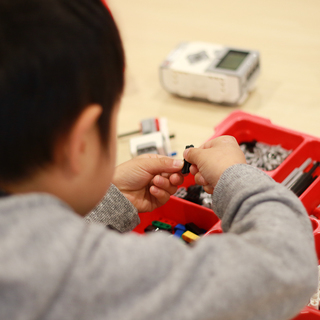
(186, 165)
(194, 192)
(305, 180)
(150, 228)
(194, 228)
(250, 145)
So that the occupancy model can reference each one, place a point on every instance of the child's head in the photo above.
(56, 58)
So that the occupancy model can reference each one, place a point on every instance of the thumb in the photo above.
(159, 165)
(192, 155)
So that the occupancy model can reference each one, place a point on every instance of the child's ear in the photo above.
(76, 143)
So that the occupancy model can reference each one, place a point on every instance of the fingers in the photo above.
(165, 174)
(217, 141)
(157, 165)
(165, 184)
(176, 179)
(208, 189)
(161, 195)
(193, 169)
(213, 158)
(223, 141)
(192, 155)
(199, 179)
(150, 156)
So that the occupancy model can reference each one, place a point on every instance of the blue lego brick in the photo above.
(179, 233)
(180, 226)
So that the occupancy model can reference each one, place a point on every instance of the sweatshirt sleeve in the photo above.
(262, 267)
(115, 211)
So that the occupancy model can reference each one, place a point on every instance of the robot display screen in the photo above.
(232, 60)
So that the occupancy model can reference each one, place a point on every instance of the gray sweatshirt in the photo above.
(54, 265)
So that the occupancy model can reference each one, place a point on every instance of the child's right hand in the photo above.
(211, 159)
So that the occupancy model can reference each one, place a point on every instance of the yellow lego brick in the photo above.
(189, 236)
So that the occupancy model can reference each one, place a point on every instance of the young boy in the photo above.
(61, 80)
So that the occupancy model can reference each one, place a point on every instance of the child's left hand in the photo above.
(149, 180)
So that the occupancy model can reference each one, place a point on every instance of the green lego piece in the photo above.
(161, 225)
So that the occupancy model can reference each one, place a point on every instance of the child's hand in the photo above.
(212, 159)
(148, 181)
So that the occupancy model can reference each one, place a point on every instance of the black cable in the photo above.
(138, 131)
(128, 133)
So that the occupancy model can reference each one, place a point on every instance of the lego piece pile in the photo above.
(264, 156)
(189, 232)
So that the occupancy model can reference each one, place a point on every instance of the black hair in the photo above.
(56, 58)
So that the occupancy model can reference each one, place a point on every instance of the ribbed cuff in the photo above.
(116, 211)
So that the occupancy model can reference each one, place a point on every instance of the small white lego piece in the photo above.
(314, 300)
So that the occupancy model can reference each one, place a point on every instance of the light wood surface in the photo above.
(287, 34)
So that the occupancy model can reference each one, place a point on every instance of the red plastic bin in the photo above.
(247, 127)
(180, 211)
